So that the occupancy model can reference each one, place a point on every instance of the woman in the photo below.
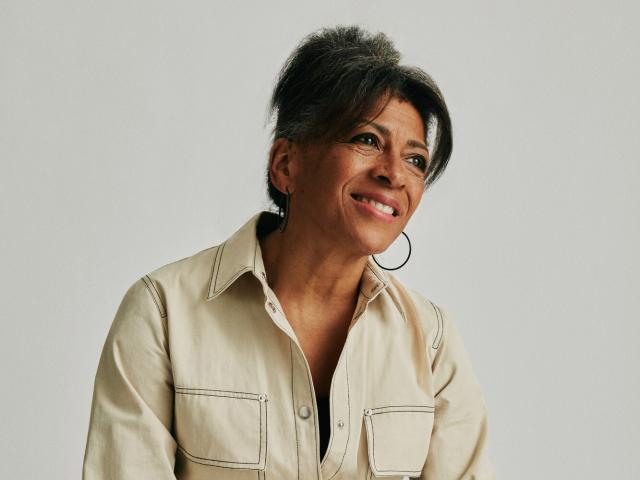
(286, 351)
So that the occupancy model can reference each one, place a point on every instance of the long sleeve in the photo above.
(131, 412)
(459, 441)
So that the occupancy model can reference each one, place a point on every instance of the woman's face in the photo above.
(334, 184)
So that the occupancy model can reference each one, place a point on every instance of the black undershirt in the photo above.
(324, 420)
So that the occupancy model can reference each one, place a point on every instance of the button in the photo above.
(304, 412)
(264, 275)
(272, 306)
(262, 397)
(368, 412)
(340, 423)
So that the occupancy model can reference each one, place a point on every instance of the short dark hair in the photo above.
(337, 75)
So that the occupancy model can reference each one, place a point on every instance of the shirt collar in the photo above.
(240, 253)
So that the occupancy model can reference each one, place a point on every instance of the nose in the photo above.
(389, 169)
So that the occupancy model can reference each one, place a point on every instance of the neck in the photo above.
(309, 271)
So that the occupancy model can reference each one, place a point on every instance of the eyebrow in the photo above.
(386, 132)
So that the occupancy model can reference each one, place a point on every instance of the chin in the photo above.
(374, 243)
(371, 236)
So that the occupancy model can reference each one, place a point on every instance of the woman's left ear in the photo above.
(280, 159)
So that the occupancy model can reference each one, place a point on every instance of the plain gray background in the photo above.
(133, 134)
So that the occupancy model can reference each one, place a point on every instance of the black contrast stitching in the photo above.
(333, 417)
(369, 421)
(373, 451)
(263, 432)
(260, 436)
(400, 408)
(332, 435)
(440, 330)
(213, 270)
(266, 432)
(401, 411)
(220, 461)
(238, 396)
(215, 281)
(191, 458)
(378, 276)
(295, 424)
(313, 404)
(365, 295)
(155, 296)
(249, 395)
(346, 446)
(216, 271)
(255, 253)
(377, 286)
(232, 279)
(154, 288)
(392, 292)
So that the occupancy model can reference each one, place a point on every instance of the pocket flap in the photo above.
(398, 439)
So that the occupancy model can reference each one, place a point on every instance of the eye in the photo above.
(370, 139)
(365, 137)
(420, 162)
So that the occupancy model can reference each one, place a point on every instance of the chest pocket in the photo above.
(222, 428)
(398, 439)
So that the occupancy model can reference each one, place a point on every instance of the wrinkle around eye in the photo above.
(366, 135)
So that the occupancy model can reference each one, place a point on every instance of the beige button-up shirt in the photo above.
(202, 377)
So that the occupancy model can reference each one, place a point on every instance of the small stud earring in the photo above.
(285, 216)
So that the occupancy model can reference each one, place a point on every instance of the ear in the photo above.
(282, 157)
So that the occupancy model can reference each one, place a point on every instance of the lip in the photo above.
(369, 209)
(378, 197)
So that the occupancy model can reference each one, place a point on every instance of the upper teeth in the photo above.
(380, 206)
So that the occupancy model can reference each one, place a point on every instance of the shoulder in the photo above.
(421, 310)
(177, 280)
(195, 267)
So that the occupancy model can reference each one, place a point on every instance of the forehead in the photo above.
(398, 117)
(397, 114)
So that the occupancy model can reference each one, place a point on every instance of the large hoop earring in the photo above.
(406, 260)
(285, 216)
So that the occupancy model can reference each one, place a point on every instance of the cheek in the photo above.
(323, 185)
(336, 172)
(416, 196)
(328, 177)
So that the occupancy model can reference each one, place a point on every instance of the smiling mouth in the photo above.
(377, 205)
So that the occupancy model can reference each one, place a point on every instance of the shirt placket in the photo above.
(304, 404)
